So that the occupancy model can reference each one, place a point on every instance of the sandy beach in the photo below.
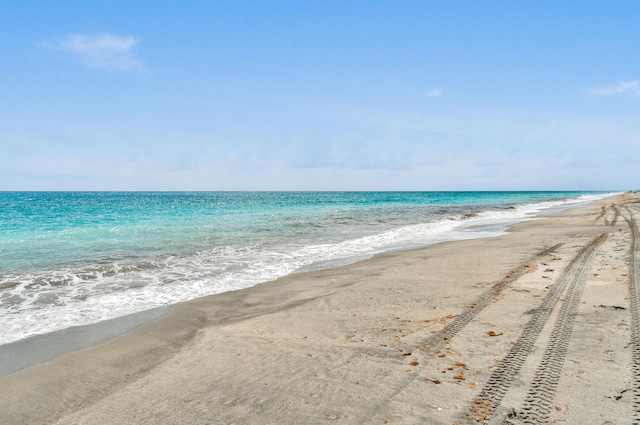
(537, 326)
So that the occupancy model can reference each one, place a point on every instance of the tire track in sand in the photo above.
(435, 341)
(539, 399)
(617, 214)
(603, 213)
(459, 322)
(634, 295)
(484, 406)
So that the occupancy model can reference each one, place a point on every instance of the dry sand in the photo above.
(530, 327)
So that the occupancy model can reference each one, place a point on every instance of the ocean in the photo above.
(75, 258)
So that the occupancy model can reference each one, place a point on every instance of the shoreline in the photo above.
(41, 348)
(37, 349)
(456, 272)
(55, 305)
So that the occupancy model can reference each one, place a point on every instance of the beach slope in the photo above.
(536, 326)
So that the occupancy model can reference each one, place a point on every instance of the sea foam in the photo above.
(150, 250)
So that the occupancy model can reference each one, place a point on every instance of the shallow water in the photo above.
(75, 258)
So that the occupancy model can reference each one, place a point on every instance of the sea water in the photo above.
(74, 258)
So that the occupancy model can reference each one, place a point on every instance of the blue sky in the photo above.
(295, 95)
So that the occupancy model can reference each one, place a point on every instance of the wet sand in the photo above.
(531, 327)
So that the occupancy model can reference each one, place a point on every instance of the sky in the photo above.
(319, 95)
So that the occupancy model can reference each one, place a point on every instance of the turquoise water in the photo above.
(76, 258)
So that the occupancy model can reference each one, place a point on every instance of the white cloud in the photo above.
(435, 93)
(622, 87)
(105, 51)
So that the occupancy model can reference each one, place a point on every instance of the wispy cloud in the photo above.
(106, 51)
(435, 93)
(622, 87)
